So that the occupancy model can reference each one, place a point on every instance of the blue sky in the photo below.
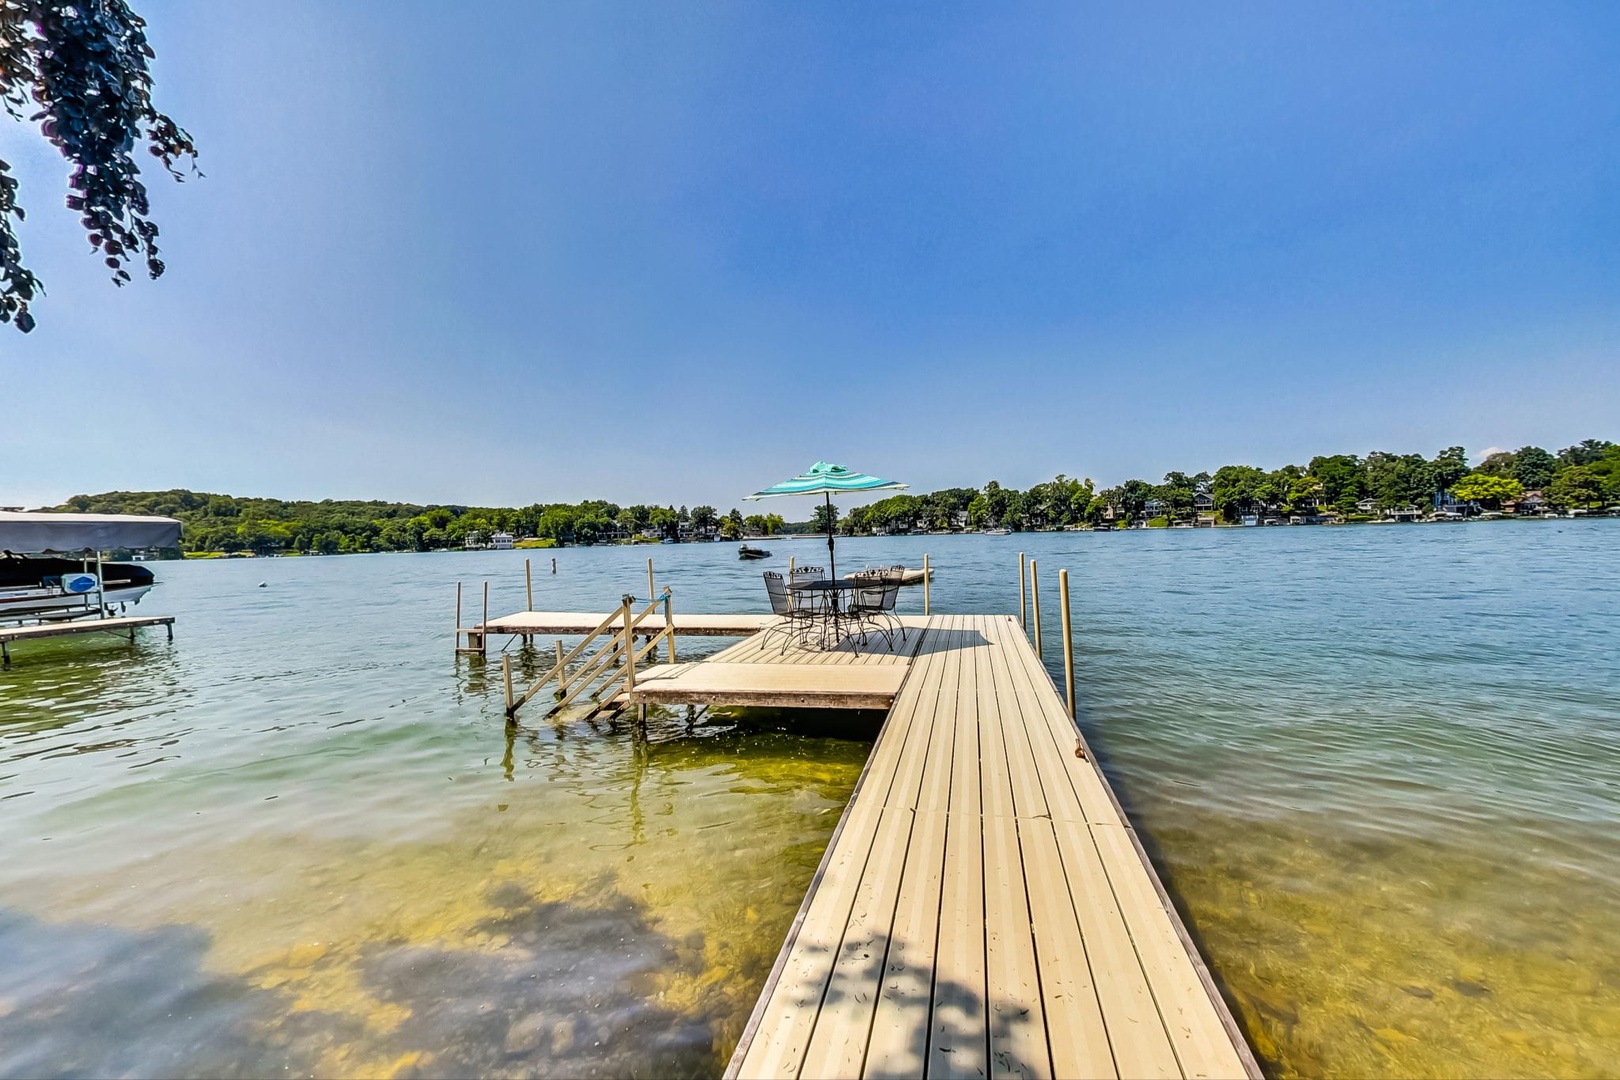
(505, 253)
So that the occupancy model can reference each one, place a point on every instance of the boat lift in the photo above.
(83, 536)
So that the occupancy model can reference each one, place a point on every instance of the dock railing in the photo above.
(609, 650)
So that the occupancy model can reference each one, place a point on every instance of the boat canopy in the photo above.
(25, 533)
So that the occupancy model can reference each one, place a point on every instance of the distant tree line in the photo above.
(1343, 485)
(1586, 475)
(331, 526)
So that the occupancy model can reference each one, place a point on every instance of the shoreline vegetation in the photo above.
(1338, 489)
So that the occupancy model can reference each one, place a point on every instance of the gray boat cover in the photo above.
(32, 534)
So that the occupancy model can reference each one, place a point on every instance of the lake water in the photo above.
(1379, 769)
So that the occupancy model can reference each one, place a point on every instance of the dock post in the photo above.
(458, 616)
(790, 581)
(528, 584)
(1035, 602)
(926, 606)
(651, 593)
(1023, 617)
(483, 627)
(629, 649)
(1068, 640)
(554, 564)
(562, 673)
(669, 625)
(506, 679)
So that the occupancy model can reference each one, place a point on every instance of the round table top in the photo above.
(830, 584)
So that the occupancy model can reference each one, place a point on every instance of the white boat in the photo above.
(45, 588)
(995, 532)
(49, 568)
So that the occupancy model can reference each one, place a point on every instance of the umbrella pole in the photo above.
(832, 564)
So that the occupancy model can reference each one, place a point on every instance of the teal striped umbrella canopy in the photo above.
(825, 478)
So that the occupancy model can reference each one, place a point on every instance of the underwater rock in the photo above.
(523, 1037)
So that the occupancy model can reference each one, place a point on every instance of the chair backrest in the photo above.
(892, 579)
(869, 597)
(809, 573)
(780, 604)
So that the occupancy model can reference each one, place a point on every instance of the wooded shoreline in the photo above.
(1341, 488)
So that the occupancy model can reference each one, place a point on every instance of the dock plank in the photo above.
(1017, 1022)
(898, 1046)
(1135, 1030)
(958, 1040)
(1181, 998)
(1076, 1031)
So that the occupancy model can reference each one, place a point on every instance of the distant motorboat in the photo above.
(746, 552)
(995, 532)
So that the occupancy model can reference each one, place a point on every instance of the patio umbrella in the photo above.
(825, 479)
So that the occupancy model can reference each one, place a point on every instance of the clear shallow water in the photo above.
(1379, 767)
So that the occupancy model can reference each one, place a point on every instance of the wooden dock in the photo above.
(984, 908)
(124, 624)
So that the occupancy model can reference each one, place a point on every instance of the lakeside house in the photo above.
(1531, 504)
(499, 541)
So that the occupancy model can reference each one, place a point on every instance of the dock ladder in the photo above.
(606, 657)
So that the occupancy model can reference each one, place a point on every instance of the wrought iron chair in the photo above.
(872, 605)
(796, 619)
(818, 602)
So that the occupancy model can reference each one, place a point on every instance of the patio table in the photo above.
(832, 611)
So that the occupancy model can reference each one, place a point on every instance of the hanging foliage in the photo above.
(80, 70)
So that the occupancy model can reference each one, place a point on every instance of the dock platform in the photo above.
(772, 670)
(984, 908)
(123, 624)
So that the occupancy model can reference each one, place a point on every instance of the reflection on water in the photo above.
(1380, 768)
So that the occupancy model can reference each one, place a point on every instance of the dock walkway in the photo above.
(984, 908)
(123, 624)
